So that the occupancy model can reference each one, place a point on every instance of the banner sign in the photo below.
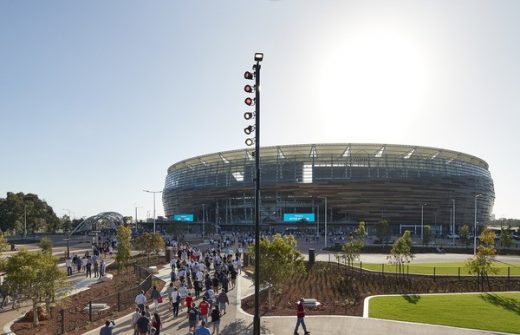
(295, 217)
(183, 217)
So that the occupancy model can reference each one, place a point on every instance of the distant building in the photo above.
(366, 182)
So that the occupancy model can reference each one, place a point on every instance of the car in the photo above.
(453, 236)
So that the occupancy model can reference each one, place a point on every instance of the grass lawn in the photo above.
(487, 311)
(449, 268)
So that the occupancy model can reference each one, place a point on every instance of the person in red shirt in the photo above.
(300, 315)
(204, 309)
(189, 300)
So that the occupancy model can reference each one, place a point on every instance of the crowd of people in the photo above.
(199, 286)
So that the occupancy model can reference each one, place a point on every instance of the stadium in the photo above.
(349, 183)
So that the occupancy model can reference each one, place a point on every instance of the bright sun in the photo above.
(376, 81)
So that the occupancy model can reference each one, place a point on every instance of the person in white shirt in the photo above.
(68, 263)
(140, 301)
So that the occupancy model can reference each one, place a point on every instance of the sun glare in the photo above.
(372, 81)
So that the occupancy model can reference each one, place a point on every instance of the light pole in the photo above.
(475, 228)
(153, 192)
(68, 233)
(249, 141)
(325, 224)
(453, 223)
(203, 220)
(422, 220)
(25, 220)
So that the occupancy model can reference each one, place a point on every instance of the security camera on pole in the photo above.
(256, 141)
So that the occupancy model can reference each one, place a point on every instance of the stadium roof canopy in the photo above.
(336, 150)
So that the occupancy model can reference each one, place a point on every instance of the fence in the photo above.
(502, 270)
(107, 306)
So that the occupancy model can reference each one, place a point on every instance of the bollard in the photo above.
(508, 273)
(383, 269)
(434, 273)
(90, 311)
(62, 322)
(459, 273)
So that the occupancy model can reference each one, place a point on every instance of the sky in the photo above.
(99, 98)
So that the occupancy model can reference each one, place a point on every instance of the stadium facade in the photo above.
(406, 185)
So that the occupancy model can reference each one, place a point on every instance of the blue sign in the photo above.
(183, 217)
(295, 217)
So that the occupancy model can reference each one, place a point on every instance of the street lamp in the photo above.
(324, 197)
(68, 232)
(153, 192)
(422, 221)
(203, 221)
(25, 220)
(249, 142)
(475, 228)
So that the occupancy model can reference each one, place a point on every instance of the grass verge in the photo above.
(486, 311)
(448, 268)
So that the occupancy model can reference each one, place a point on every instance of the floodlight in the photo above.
(249, 129)
(248, 75)
(249, 101)
(259, 56)
(250, 141)
(249, 89)
(248, 115)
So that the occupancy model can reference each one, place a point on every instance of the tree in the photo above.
(34, 276)
(40, 216)
(383, 230)
(150, 242)
(46, 245)
(464, 234)
(123, 236)
(482, 264)
(427, 235)
(506, 237)
(356, 241)
(279, 259)
(4, 245)
(401, 252)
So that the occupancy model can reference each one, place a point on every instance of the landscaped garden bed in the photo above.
(76, 320)
(341, 290)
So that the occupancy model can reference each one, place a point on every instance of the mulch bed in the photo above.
(75, 317)
(341, 290)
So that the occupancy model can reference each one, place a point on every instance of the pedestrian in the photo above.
(189, 300)
(88, 267)
(202, 330)
(102, 268)
(176, 299)
(222, 300)
(215, 320)
(107, 329)
(300, 315)
(68, 263)
(155, 298)
(96, 268)
(204, 309)
(169, 291)
(135, 317)
(156, 324)
(193, 314)
(143, 324)
(140, 301)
